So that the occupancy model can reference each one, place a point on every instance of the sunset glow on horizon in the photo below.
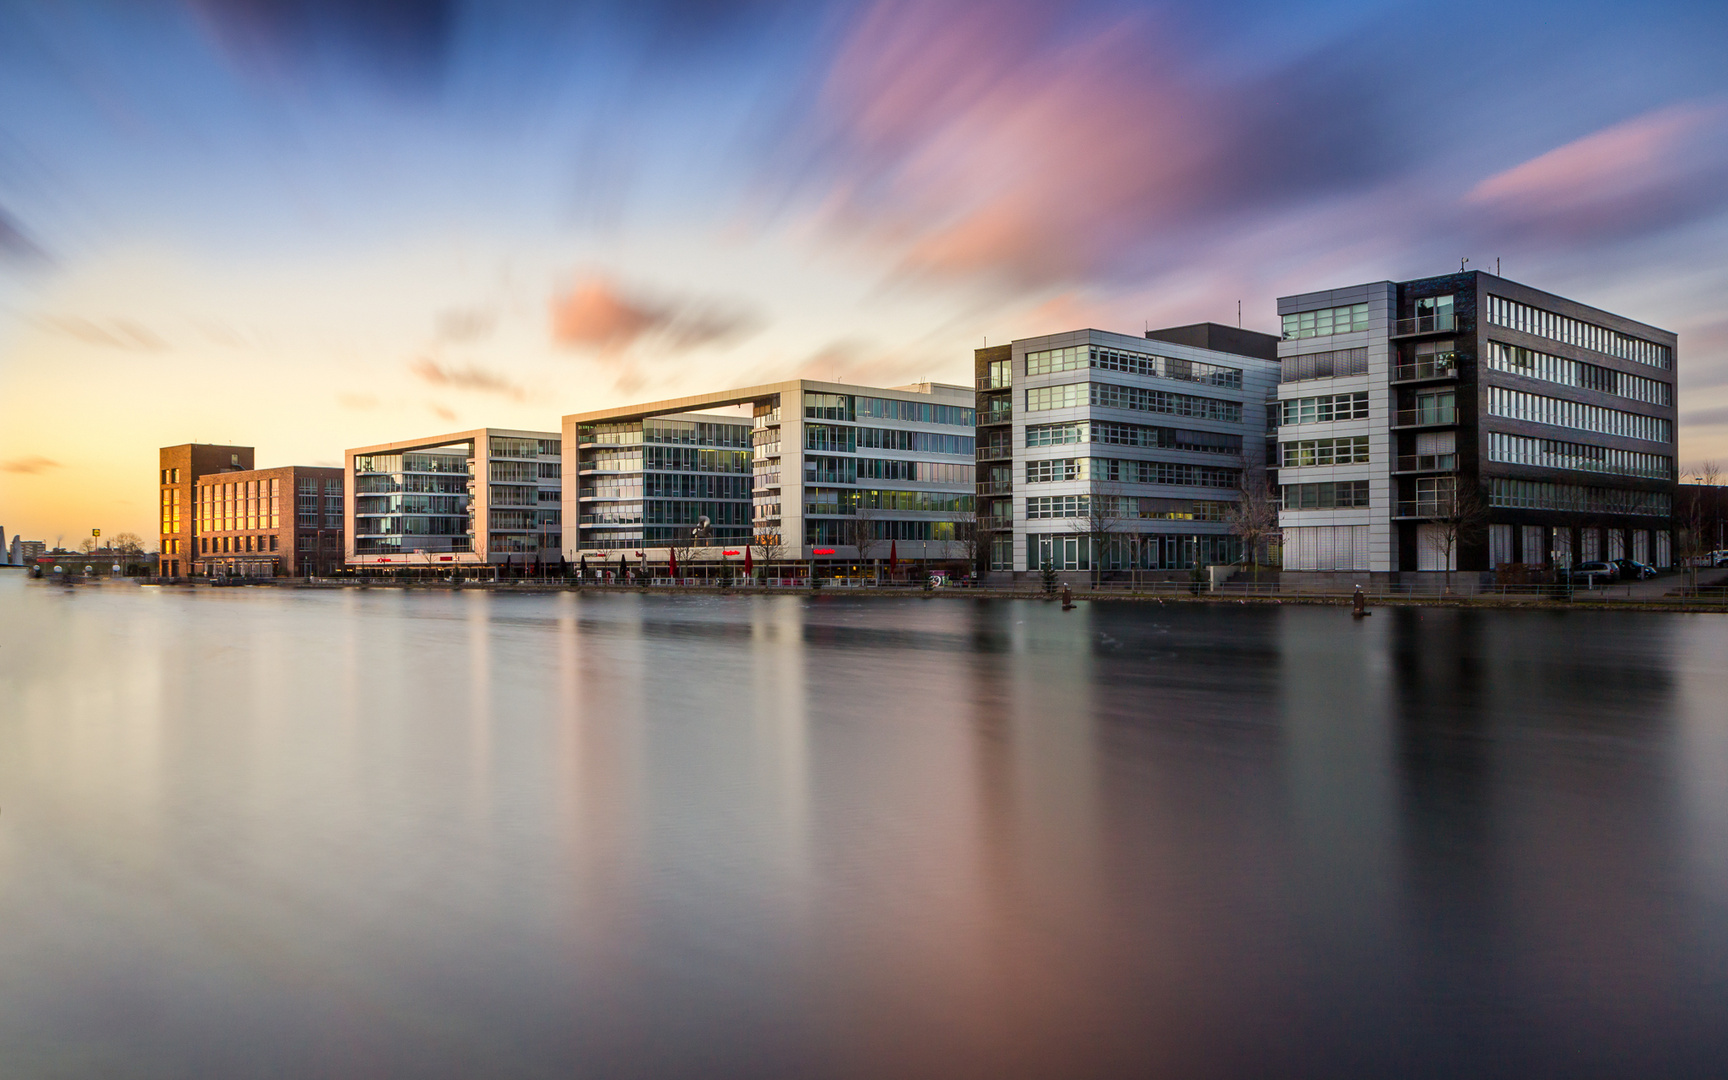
(306, 226)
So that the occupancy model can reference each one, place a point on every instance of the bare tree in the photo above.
(859, 531)
(87, 545)
(769, 549)
(974, 543)
(1460, 516)
(127, 543)
(1693, 518)
(1100, 519)
(1253, 517)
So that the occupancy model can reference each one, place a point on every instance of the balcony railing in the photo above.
(993, 382)
(994, 453)
(994, 523)
(1437, 323)
(1424, 508)
(995, 416)
(1425, 369)
(1427, 462)
(996, 487)
(1423, 417)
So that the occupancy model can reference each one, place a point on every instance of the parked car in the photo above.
(1718, 558)
(1633, 570)
(1592, 574)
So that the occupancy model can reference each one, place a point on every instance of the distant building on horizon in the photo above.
(485, 496)
(1109, 452)
(823, 472)
(23, 552)
(1406, 408)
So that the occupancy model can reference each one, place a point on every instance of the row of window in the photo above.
(409, 525)
(1536, 495)
(1116, 470)
(1325, 408)
(1518, 405)
(831, 532)
(519, 520)
(694, 459)
(228, 545)
(921, 472)
(1115, 434)
(1341, 495)
(1137, 398)
(1326, 321)
(502, 446)
(308, 485)
(452, 505)
(696, 486)
(1557, 369)
(819, 500)
(694, 432)
(1301, 453)
(1112, 508)
(417, 462)
(1515, 316)
(1152, 365)
(849, 407)
(1324, 365)
(1554, 454)
(384, 484)
(1068, 551)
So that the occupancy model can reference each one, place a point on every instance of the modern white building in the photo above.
(485, 496)
(815, 471)
(1107, 452)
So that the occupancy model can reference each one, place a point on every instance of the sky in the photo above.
(307, 225)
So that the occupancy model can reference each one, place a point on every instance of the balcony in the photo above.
(994, 382)
(995, 416)
(1437, 323)
(994, 453)
(1427, 463)
(1429, 417)
(996, 487)
(1425, 369)
(1423, 508)
(994, 523)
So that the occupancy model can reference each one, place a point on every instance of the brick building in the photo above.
(179, 469)
(285, 521)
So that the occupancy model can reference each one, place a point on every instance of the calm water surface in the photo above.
(260, 832)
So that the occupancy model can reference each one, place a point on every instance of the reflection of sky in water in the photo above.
(385, 833)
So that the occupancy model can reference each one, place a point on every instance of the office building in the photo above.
(178, 471)
(469, 498)
(1107, 452)
(818, 471)
(268, 522)
(1469, 422)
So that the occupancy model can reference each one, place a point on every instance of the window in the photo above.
(915, 412)
(1306, 452)
(1324, 365)
(1066, 396)
(1326, 321)
(999, 374)
(1438, 407)
(1434, 495)
(828, 407)
(920, 442)
(1343, 495)
(1428, 360)
(272, 541)
(1326, 408)
(1058, 506)
(1055, 469)
(1104, 431)
(830, 437)
(551, 448)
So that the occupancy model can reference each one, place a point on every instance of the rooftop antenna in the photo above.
(1461, 263)
(1238, 314)
(1496, 266)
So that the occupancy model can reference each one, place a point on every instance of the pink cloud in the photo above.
(1653, 169)
(465, 378)
(598, 314)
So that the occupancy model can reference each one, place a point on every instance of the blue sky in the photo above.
(313, 225)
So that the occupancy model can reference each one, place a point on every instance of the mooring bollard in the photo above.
(1358, 609)
(1067, 598)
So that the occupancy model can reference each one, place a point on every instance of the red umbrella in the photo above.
(749, 564)
(674, 555)
(893, 554)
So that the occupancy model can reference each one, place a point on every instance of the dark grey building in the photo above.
(1470, 422)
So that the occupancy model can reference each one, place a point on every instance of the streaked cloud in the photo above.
(28, 466)
(110, 333)
(467, 377)
(1657, 170)
(598, 314)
